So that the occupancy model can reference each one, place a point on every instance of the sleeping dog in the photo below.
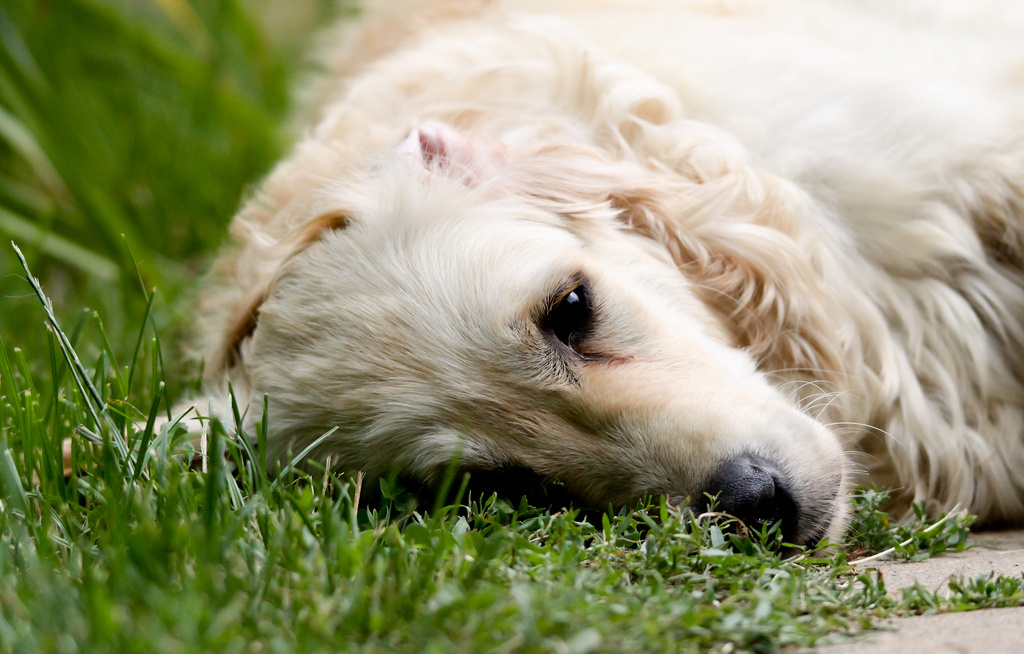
(758, 250)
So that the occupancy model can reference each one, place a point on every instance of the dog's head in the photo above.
(549, 310)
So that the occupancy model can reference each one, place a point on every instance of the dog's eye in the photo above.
(570, 318)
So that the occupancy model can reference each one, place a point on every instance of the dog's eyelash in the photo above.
(570, 317)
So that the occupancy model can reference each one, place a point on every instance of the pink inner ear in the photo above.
(432, 142)
(440, 146)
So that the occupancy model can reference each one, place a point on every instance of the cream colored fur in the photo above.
(803, 223)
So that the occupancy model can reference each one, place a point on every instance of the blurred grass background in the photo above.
(129, 131)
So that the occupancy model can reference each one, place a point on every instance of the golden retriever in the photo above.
(677, 248)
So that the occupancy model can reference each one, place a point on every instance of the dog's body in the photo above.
(665, 247)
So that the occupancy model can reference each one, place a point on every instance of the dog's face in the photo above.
(452, 320)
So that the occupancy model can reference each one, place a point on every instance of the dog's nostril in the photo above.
(753, 490)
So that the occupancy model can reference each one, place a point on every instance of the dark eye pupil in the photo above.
(570, 317)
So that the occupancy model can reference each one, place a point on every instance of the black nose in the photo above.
(754, 490)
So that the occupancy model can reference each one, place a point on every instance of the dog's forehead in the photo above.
(443, 243)
(434, 258)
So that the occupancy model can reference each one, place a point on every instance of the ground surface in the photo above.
(991, 631)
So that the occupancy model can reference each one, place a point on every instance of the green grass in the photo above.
(128, 131)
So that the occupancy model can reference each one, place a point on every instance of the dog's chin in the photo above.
(512, 483)
(515, 484)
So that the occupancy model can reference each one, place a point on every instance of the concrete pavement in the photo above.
(989, 631)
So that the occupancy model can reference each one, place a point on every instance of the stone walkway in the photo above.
(991, 631)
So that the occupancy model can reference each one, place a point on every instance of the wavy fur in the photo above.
(840, 186)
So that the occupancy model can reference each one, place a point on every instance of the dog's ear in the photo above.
(235, 313)
(240, 313)
(439, 147)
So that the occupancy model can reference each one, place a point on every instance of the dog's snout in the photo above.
(753, 490)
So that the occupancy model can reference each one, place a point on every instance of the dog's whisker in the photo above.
(831, 401)
(814, 399)
(832, 372)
